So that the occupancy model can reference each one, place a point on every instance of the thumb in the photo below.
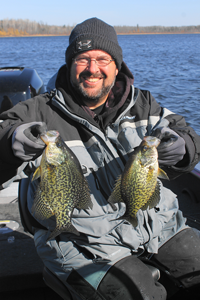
(34, 131)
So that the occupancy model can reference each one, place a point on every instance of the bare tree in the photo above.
(27, 27)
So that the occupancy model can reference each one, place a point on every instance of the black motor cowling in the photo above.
(18, 84)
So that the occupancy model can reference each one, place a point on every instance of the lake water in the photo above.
(167, 65)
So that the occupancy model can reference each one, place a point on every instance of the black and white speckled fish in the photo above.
(62, 186)
(138, 186)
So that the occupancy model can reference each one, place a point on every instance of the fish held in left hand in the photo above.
(62, 185)
(138, 186)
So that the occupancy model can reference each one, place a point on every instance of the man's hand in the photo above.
(26, 142)
(172, 147)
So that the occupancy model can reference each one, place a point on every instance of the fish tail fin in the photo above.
(132, 220)
(72, 229)
(54, 234)
(57, 231)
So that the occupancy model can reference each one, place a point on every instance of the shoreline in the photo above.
(133, 33)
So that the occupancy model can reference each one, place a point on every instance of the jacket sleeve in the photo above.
(24, 112)
(9, 163)
(192, 144)
(178, 124)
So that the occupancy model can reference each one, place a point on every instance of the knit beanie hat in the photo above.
(94, 34)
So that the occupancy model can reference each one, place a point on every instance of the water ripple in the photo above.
(167, 65)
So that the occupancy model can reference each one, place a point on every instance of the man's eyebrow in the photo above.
(82, 55)
(103, 56)
(99, 56)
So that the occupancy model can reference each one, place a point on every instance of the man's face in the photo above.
(93, 82)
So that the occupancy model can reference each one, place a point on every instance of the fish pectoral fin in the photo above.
(155, 197)
(36, 174)
(162, 174)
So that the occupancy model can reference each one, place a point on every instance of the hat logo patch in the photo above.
(84, 45)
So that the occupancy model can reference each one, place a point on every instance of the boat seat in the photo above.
(54, 283)
(28, 222)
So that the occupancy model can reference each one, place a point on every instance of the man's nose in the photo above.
(92, 66)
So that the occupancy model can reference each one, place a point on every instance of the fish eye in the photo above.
(145, 148)
(58, 145)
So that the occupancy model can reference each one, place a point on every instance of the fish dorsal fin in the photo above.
(36, 174)
(115, 197)
(162, 174)
(155, 198)
(85, 203)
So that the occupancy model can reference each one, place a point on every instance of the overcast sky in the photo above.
(114, 12)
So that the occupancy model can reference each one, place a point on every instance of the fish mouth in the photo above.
(152, 141)
(49, 136)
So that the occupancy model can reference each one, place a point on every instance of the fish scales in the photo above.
(62, 186)
(138, 186)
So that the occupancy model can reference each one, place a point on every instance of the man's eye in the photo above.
(103, 60)
(82, 60)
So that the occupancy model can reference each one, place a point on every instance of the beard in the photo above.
(95, 97)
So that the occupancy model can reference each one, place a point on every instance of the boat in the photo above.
(18, 84)
(22, 273)
(21, 270)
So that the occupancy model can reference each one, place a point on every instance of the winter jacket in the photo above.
(102, 143)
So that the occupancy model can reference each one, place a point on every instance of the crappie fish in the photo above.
(138, 186)
(62, 185)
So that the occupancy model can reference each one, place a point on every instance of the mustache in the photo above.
(89, 74)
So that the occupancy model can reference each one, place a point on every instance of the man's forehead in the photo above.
(94, 53)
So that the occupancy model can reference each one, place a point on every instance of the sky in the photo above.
(113, 12)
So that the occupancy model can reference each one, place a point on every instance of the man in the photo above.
(102, 117)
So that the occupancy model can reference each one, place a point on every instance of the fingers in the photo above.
(26, 142)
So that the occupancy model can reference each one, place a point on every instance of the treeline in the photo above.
(156, 29)
(11, 27)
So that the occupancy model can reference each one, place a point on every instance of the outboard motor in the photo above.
(18, 84)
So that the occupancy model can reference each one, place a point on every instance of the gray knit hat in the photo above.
(94, 34)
